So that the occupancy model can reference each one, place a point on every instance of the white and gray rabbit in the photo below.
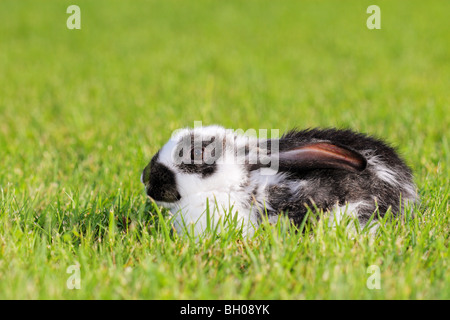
(337, 171)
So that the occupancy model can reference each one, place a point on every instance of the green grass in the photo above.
(83, 111)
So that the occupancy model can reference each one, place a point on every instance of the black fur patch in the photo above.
(160, 182)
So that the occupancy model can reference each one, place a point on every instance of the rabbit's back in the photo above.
(386, 181)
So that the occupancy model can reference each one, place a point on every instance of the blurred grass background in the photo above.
(82, 112)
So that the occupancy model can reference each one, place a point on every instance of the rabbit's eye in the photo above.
(197, 154)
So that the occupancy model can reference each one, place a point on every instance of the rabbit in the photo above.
(338, 171)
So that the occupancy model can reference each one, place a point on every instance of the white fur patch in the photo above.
(221, 190)
(382, 171)
(351, 209)
(338, 214)
(191, 213)
(390, 176)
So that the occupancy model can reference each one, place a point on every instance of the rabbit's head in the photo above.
(198, 160)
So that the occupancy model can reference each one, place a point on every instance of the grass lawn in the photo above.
(83, 111)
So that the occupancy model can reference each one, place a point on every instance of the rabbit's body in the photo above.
(338, 171)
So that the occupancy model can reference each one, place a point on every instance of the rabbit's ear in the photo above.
(321, 155)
